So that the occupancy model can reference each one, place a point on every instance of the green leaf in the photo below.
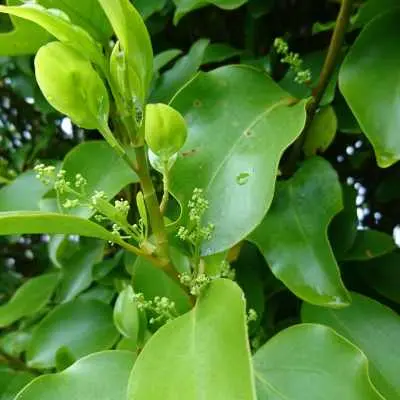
(25, 38)
(77, 269)
(30, 298)
(183, 7)
(382, 274)
(219, 52)
(321, 132)
(127, 317)
(133, 36)
(20, 222)
(100, 376)
(375, 329)
(86, 14)
(182, 71)
(312, 362)
(370, 244)
(293, 235)
(24, 193)
(201, 357)
(82, 326)
(343, 228)
(165, 57)
(367, 78)
(103, 169)
(240, 122)
(152, 282)
(147, 8)
(11, 382)
(372, 8)
(57, 23)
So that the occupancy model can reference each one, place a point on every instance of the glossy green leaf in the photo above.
(147, 8)
(11, 382)
(76, 273)
(219, 52)
(82, 326)
(375, 329)
(25, 38)
(152, 282)
(240, 122)
(367, 78)
(133, 36)
(342, 230)
(57, 23)
(309, 361)
(30, 298)
(101, 293)
(40, 222)
(103, 169)
(321, 132)
(293, 235)
(370, 244)
(86, 14)
(346, 121)
(201, 358)
(15, 342)
(24, 193)
(185, 6)
(181, 73)
(100, 376)
(372, 8)
(382, 274)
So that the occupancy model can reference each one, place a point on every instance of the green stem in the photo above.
(16, 363)
(164, 200)
(327, 71)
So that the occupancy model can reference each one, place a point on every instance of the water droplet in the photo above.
(340, 159)
(350, 180)
(350, 150)
(30, 100)
(242, 178)
(358, 144)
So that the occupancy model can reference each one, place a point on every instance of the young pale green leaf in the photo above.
(370, 244)
(293, 236)
(312, 362)
(205, 353)
(86, 14)
(11, 382)
(367, 78)
(182, 71)
(375, 329)
(240, 122)
(102, 168)
(133, 36)
(184, 7)
(57, 23)
(25, 38)
(30, 298)
(321, 132)
(23, 194)
(77, 269)
(71, 85)
(127, 316)
(82, 326)
(99, 376)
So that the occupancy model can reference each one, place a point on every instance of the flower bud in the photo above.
(71, 85)
(165, 130)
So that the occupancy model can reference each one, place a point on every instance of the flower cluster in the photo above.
(195, 233)
(293, 60)
(162, 308)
